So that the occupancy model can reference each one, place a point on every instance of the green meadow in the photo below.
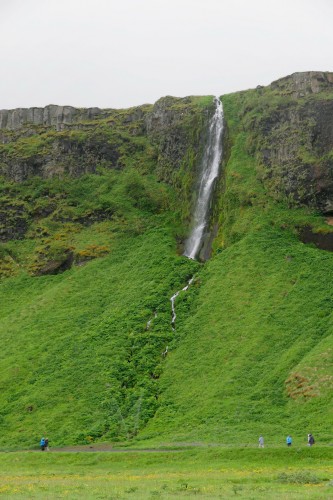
(209, 472)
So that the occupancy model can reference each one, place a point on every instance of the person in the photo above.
(289, 440)
(261, 441)
(42, 444)
(311, 440)
(47, 444)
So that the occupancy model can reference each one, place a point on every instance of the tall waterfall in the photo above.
(209, 172)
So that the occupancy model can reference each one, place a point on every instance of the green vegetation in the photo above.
(90, 260)
(85, 294)
(193, 473)
(255, 354)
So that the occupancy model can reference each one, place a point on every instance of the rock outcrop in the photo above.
(50, 116)
(13, 220)
(177, 126)
(62, 140)
(294, 139)
(303, 84)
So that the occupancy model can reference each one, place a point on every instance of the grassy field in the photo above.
(185, 473)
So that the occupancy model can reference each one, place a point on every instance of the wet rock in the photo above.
(176, 128)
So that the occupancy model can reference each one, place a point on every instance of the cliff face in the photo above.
(50, 116)
(61, 140)
(64, 143)
(291, 123)
(296, 152)
(177, 128)
(302, 84)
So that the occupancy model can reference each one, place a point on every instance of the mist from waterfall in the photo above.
(209, 172)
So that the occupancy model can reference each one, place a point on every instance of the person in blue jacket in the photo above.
(289, 440)
(42, 444)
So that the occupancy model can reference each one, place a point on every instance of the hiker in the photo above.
(42, 444)
(311, 440)
(289, 440)
(47, 444)
(261, 441)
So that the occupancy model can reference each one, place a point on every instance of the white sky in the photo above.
(119, 53)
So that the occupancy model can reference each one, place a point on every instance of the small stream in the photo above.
(173, 298)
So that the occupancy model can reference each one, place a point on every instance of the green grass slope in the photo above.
(256, 354)
(77, 360)
(256, 350)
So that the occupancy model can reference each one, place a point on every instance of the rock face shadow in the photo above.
(324, 241)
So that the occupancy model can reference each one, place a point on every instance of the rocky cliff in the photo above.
(64, 143)
(61, 140)
(50, 116)
(291, 125)
(302, 84)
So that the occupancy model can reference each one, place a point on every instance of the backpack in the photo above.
(42, 442)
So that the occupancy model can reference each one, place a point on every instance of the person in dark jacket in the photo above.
(311, 440)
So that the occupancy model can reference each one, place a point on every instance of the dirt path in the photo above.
(108, 448)
(104, 447)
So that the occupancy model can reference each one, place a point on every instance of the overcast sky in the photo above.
(119, 53)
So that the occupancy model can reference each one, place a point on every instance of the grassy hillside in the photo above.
(77, 360)
(89, 264)
(256, 352)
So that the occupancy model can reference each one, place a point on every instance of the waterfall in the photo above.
(209, 172)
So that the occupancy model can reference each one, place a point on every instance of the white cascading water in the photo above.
(209, 172)
(172, 300)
